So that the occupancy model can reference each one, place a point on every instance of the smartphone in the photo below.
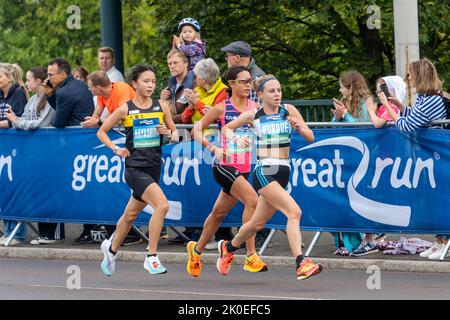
(49, 84)
(385, 89)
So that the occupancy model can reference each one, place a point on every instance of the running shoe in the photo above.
(365, 247)
(109, 260)
(194, 265)
(225, 258)
(308, 269)
(255, 264)
(435, 247)
(154, 266)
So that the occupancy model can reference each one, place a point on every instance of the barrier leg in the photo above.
(11, 237)
(313, 243)
(266, 243)
(30, 225)
(181, 234)
(447, 246)
(139, 232)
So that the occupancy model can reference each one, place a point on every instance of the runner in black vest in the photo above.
(145, 121)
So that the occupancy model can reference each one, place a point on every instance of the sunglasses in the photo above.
(243, 81)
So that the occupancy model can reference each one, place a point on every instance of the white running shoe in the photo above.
(438, 253)
(109, 260)
(430, 250)
(154, 266)
(43, 240)
(212, 245)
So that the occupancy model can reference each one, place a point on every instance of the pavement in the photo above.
(277, 254)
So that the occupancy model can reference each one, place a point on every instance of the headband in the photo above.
(261, 86)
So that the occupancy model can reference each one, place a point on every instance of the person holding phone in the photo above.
(392, 86)
(145, 121)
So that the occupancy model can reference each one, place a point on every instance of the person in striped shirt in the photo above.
(429, 106)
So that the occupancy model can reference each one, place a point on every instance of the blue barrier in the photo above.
(349, 179)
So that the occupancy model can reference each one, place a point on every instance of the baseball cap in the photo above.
(241, 48)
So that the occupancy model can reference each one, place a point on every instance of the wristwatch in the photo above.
(115, 149)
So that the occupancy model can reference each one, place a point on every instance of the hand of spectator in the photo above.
(90, 122)
(165, 94)
(395, 101)
(340, 109)
(176, 42)
(49, 91)
(383, 99)
(11, 116)
(191, 95)
(123, 152)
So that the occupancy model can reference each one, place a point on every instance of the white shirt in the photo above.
(114, 75)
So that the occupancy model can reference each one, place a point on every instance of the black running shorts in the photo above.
(138, 179)
(265, 174)
(225, 176)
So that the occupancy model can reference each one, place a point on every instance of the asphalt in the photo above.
(277, 254)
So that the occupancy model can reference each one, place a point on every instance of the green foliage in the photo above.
(307, 44)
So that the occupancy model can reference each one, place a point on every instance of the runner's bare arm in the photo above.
(211, 117)
(297, 122)
(118, 115)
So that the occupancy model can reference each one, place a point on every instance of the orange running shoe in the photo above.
(255, 264)
(194, 265)
(225, 258)
(307, 269)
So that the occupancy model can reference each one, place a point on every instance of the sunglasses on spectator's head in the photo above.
(244, 81)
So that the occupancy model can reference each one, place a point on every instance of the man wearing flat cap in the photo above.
(239, 53)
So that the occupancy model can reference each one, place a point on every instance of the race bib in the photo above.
(145, 134)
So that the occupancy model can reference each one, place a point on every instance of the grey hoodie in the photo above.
(31, 119)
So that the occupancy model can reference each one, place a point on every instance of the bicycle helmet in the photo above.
(191, 22)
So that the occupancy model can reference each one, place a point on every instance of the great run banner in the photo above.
(348, 179)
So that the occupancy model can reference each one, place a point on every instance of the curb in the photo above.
(209, 258)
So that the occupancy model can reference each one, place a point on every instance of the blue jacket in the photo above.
(72, 102)
(16, 99)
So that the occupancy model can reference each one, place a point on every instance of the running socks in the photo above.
(230, 247)
(151, 255)
(111, 250)
(299, 260)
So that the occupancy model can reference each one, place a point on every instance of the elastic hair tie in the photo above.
(261, 86)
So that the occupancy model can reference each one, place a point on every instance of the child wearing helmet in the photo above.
(189, 41)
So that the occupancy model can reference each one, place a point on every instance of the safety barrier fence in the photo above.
(357, 179)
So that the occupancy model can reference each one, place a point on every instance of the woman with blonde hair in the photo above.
(429, 106)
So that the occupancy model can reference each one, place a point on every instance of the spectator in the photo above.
(239, 53)
(355, 97)
(181, 79)
(189, 42)
(397, 87)
(13, 98)
(38, 113)
(80, 73)
(429, 106)
(13, 95)
(111, 95)
(106, 61)
(69, 97)
(209, 92)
